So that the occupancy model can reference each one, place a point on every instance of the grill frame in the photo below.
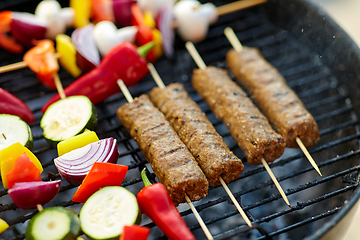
(273, 10)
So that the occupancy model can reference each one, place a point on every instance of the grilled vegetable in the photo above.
(27, 195)
(76, 142)
(7, 42)
(107, 211)
(12, 130)
(67, 52)
(54, 223)
(135, 232)
(8, 157)
(41, 59)
(10, 104)
(75, 165)
(125, 62)
(101, 175)
(3, 225)
(154, 202)
(26, 27)
(87, 55)
(68, 117)
(24, 171)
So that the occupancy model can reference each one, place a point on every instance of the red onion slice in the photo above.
(75, 165)
(165, 20)
(87, 56)
(26, 195)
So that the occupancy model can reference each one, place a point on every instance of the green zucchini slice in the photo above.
(12, 130)
(107, 211)
(54, 223)
(68, 117)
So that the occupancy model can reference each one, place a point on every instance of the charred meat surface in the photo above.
(196, 131)
(171, 161)
(273, 96)
(246, 124)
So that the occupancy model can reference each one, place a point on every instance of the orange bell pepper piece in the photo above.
(41, 59)
(7, 42)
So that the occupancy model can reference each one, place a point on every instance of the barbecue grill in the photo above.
(321, 64)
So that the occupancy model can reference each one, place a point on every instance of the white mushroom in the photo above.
(193, 19)
(57, 19)
(107, 36)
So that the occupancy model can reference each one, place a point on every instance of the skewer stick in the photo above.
(238, 5)
(199, 219)
(18, 65)
(275, 181)
(307, 154)
(13, 66)
(129, 98)
(161, 85)
(230, 7)
(237, 205)
(197, 58)
(59, 86)
(234, 41)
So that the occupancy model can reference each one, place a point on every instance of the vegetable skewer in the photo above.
(195, 55)
(305, 129)
(216, 159)
(130, 99)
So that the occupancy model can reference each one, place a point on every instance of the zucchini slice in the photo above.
(54, 223)
(12, 130)
(107, 211)
(68, 117)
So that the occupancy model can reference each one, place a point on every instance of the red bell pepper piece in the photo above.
(41, 59)
(7, 42)
(101, 175)
(145, 33)
(125, 62)
(102, 10)
(135, 232)
(155, 202)
(10, 104)
(23, 171)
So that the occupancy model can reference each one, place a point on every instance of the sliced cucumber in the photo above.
(12, 130)
(56, 223)
(107, 211)
(68, 117)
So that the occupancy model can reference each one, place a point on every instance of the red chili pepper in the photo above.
(10, 104)
(23, 171)
(41, 59)
(145, 33)
(125, 62)
(101, 175)
(135, 232)
(154, 202)
(7, 42)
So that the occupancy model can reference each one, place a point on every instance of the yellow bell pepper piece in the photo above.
(76, 142)
(67, 51)
(8, 157)
(158, 50)
(3, 225)
(150, 21)
(82, 10)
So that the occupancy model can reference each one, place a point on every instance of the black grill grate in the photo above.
(314, 199)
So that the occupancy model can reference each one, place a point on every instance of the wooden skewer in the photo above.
(200, 62)
(18, 65)
(230, 7)
(129, 98)
(161, 85)
(238, 5)
(234, 41)
(59, 86)
(13, 66)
